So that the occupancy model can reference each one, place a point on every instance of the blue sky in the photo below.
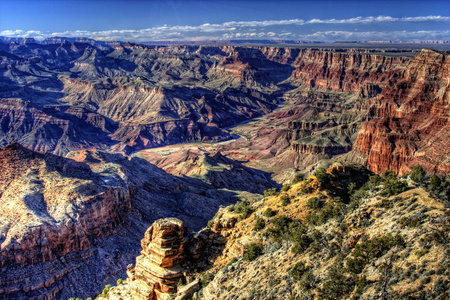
(139, 20)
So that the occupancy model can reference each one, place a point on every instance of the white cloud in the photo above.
(379, 19)
(377, 35)
(248, 29)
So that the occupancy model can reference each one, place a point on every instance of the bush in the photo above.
(410, 222)
(210, 223)
(206, 279)
(301, 239)
(297, 178)
(119, 281)
(285, 200)
(337, 285)
(361, 284)
(314, 203)
(243, 208)
(418, 174)
(285, 188)
(269, 213)
(270, 192)
(180, 283)
(252, 251)
(105, 290)
(305, 188)
(298, 270)
(323, 177)
(439, 187)
(385, 203)
(393, 186)
(373, 248)
(260, 224)
(280, 227)
(329, 210)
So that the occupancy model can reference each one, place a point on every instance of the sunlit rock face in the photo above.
(158, 269)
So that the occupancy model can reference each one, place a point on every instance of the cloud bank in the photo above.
(296, 29)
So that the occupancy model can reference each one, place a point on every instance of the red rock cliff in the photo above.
(410, 120)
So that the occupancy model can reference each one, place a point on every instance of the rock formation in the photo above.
(51, 209)
(410, 121)
(158, 268)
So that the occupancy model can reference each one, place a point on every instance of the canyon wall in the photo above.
(409, 121)
(53, 207)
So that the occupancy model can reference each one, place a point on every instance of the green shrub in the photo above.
(298, 270)
(328, 211)
(285, 200)
(252, 251)
(388, 174)
(210, 223)
(337, 285)
(410, 222)
(206, 279)
(385, 203)
(418, 174)
(370, 249)
(260, 224)
(356, 264)
(285, 188)
(280, 227)
(307, 281)
(270, 192)
(420, 253)
(297, 178)
(105, 290)
(314, 203)
(301, 239)
(305, 188)
(361, 284)
(180, 283)
(393, 186)
(323, 177)
(269, 213)
(231, 208)
(119, 281)
(243, 208)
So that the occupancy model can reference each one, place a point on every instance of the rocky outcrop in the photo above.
(162, 252)
(157, 269)
(329, 150)
(53, 207)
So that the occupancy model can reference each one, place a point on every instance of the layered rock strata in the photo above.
(158, 269)
(409, 122)
(52, 209)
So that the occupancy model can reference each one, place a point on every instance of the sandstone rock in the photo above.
(409, 121)
(43, 220)
(186, 292)
(158, 269)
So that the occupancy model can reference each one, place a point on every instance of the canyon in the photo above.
(102, 139)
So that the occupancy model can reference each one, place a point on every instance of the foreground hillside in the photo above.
(386, 239)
